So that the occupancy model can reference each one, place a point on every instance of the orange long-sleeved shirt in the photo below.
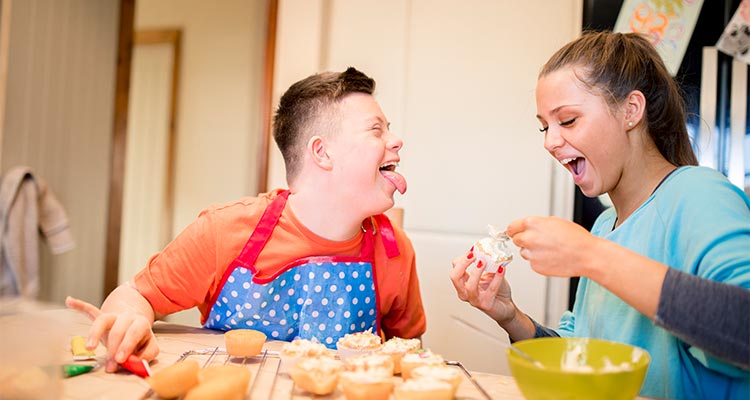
(188, 271)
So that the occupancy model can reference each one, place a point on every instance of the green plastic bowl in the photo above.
(578, 368)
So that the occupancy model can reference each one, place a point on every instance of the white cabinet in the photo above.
(456, 79)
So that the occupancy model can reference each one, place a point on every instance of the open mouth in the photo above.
(388, 170)
(574, 164)
(391, 166)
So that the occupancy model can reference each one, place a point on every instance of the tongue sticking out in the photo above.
(396, 179)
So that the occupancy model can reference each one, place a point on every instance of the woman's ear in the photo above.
(318, 151)
(635, 108)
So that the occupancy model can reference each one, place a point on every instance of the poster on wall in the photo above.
(735, 40)
(669, 24)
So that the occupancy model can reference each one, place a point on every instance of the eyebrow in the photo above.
(556, 109)
(377, 119)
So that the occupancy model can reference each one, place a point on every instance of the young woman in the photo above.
(613, 116)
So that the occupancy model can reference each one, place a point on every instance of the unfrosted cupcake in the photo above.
(372, 363)
(417, 359)
(425, 388)
(291, 352)
(354, 344)
(317, 375)
(397, 348)
(244, 342)
(441, 372)
(362, 385)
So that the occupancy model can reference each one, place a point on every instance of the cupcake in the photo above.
(362, 385)
(440, 372)
(226, 382)
(397, 347)
(317, 375)
(425, 388)
(354, 344)
(298, 348)
(419, 358)
(244, 342)
(493, 251)
(372, 363)
(175, 380)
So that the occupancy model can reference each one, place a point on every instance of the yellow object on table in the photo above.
(78, 348)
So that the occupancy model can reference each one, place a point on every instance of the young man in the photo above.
(318, 260)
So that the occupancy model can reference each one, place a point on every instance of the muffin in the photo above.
(226, 382)
(493, 251)
(175, 380)
(362, 385)
(317, 375)
(294, 350)
(419, 358)
(425, 388)
(354, 344)
(440, 372)
(397, 347)
(244, 342)
(372, 363)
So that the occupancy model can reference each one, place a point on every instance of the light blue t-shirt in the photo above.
(699, 223)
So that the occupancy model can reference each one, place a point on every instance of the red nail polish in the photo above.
(480, 264)
(500, 269)
(470, 255)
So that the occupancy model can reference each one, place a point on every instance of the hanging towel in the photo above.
(28, 210)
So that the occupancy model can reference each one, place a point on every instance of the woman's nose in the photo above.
(552, 140)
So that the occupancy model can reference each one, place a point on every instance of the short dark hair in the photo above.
(306, 106)
(614, 64)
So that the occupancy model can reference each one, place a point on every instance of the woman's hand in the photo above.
(123, 333)
(553, 246)
(486, 291)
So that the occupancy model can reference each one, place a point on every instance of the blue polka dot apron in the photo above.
(321, 297)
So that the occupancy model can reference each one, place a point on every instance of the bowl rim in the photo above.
(643, 362)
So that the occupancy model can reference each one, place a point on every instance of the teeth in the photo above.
(386, 165)
(567, 160)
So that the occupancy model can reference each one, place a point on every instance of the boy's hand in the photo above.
(122, 333)
(488, 292)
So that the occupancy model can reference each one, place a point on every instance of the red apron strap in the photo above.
(262, 231)
(388, 235)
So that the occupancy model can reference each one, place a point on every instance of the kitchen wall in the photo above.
(456, 79)
(59, 103)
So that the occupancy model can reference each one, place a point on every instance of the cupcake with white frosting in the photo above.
(397, 347)
(354, 344)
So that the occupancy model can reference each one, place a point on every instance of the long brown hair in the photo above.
(614, 64)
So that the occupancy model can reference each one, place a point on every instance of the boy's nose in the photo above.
(395, 143)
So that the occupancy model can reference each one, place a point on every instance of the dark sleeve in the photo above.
(710, 315)
(541, 331)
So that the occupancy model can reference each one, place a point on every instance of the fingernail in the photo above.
(480, 264)
(90, 343)
(120, 357)
(470, 255)
(500, 270)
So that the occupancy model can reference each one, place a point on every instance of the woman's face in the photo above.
(581, 131)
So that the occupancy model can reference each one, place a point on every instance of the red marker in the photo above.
(137, 366)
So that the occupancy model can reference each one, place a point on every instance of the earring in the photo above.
(630, 124)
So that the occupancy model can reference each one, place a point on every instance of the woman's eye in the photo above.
(568, 122)
(544, 129)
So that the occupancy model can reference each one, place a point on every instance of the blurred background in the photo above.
(140, 113)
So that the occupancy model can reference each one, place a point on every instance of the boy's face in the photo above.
(365, 155)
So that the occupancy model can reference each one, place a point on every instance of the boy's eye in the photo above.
(568, 122)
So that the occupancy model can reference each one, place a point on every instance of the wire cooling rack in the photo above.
(265, 368)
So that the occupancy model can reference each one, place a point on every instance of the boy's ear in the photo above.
(318, 151)
(635, 107)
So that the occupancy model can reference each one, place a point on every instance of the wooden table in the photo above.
(176, 340)
(179, 341)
